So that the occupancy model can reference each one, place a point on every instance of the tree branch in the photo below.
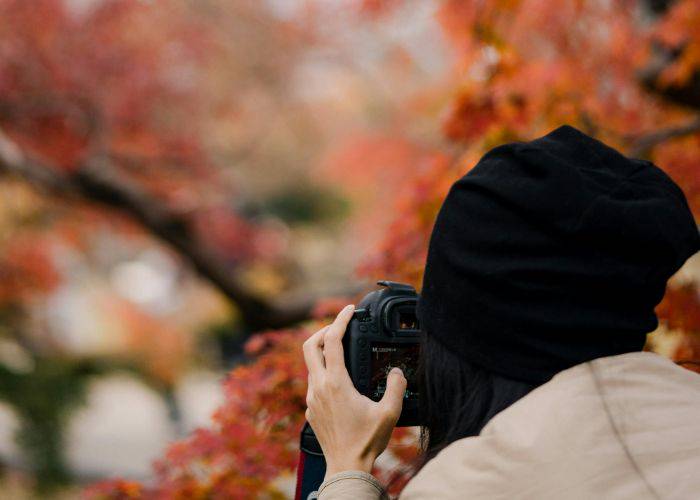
(686, 94)
(98, 181)
(642, 145)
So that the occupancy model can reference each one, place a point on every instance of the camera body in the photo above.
(384, 333)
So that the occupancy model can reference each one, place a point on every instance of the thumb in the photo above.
(393, 396)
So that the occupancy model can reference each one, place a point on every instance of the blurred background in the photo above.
(187, 187)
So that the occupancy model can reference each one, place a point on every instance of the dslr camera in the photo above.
(384, 333)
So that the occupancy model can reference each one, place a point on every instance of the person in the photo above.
(544, 267)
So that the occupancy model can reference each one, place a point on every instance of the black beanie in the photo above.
(553, 252)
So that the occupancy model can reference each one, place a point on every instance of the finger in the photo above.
(313, 355)
(392, 401)
(333, 341)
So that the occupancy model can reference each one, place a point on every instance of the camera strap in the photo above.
(312, 465)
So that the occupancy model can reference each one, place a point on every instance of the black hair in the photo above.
(458, 398)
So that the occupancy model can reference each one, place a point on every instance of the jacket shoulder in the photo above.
(617, 427)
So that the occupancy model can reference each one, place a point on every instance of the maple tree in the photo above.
(627, 72)
(110, 120)
(129, 126)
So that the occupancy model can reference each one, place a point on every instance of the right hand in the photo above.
(351, 428)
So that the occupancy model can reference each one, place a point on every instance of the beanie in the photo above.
(553, 252)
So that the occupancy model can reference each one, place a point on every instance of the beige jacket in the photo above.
(620, 427)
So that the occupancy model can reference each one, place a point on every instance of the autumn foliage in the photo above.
(115, 104)
(521, 69)
(252, 434)
(625, 71)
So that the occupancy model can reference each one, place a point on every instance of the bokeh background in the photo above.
(188, 188)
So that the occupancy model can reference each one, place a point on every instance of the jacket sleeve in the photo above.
(352, 485)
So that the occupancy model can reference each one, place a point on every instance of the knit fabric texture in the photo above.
(553, 252)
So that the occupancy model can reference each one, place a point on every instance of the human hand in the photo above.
(351, 428)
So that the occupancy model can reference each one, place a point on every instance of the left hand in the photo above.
(351, 428)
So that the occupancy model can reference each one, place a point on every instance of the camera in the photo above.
(383, 333)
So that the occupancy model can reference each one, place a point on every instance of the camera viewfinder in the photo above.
(403, 318)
